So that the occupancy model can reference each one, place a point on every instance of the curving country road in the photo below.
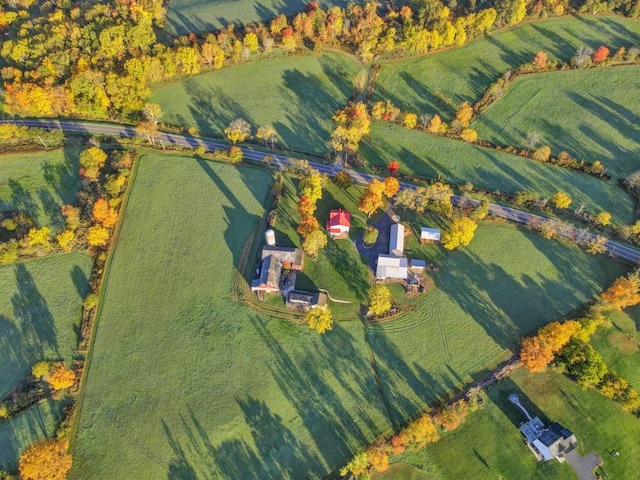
(613, 248)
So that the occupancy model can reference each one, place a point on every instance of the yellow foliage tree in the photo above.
(379, 300)
(45, 460)
(319, 319)
(625, 292)
(369, 203)
(435, 125)
(469, 135)
(41, 369)
(92, 160)
(561, 200)
(460, 233)
(97, 236)
(61, 378)
(39, 236)
(410, 120)
(238, 130)
(421, 432)
(603, 218)
(65, 240)
(464, 114)
(534, 354)
(391, 186)
(314, 242)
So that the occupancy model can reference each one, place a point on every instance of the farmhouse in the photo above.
(270, 274)
(431, 235)
(338, 224)
(289, 257)
(546, 442)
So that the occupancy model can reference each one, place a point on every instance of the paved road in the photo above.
(613, 248)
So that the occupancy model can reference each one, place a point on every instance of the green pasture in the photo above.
(339, 268)
(297, 96)
(439, 82)
(507, 283)
(186, 384)
(458, 162)
(39, 184)
(619, 344)
(187, 16)
(592, 114)
(40, 304)
(489, 445)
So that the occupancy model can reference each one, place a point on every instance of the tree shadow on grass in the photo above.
(499, 395)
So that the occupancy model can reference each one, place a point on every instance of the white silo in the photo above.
(270, 237)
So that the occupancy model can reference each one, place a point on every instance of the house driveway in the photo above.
(583, 466)
(382, 245)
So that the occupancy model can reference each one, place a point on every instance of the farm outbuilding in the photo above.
(431, 235)
(302, 300)
(339, 224)
(270, 273)
(288, 256)
(391, 266)
(396, 240)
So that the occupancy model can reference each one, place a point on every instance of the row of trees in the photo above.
(566, 345)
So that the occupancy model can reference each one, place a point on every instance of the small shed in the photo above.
(339, 223)
(270, 273)
(430, 235)
(416, 265)
(396, 240)
(305, 301)
(288, 256)
(391, 266)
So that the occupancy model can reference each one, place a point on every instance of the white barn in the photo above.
(396, 240)
(429, 235)
(391, 266)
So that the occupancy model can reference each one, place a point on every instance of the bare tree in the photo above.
(152, 112)
(533, 139)
(582, 58)
(425, 118)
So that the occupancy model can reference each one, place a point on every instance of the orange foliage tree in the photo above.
(540, 60)
(308, 225)
(537, 352)
(453, 415)
(624, 292)
(45, 460)
(600, 55)
(369, 203)
(419, 433)
(464, 114)
(534, 354)
(306, 207)
(104, 214)
(393, 167)
(61, 378)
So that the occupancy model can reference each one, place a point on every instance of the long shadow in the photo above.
(80, 281)
(14, 356)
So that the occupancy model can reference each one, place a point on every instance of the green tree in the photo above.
(370, 235)
(379, 300)
(319, 319)
(481, 211)
(314, 242)
(584, 364)
(343, 180)
(460, 233)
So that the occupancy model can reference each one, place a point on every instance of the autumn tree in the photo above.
(435, 125)
(314, 242)
(602, 218)
(39, 236)
(319, 319)
(149, 130)
(393, 167)
(42, 369)
(379, 457)
(66, 240)
(308, 225)
(45, 460)
(469, 135)
(600, 55)
(481, 211)
(391, 186)
(379, 300)
(92, 160)
(561, 200)
(152, 112)
(537, 352)
(534, 354)
(453, 415)
(584, 364)
(410, 120)
(464, 114)
(370, 203)
(97, 236)
(306, 208)
(61, 378)
(311, 186)
(625, 291)
(460, 233)
(357, 466)
(542, 154)
(352, 123)
(540, 60)
(104, 214)
(238, 130)
(267, 135)
(420, 432)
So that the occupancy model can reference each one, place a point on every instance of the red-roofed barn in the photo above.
(339, 223)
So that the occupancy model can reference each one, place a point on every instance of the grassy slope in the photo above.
(489, 444)
(184, 383)
(439, 82)
(186, 16)
(39, 183)
(593, 114)
(338, 268)
(459, 162)
(39, 313)
(296, 95)
(506, 284)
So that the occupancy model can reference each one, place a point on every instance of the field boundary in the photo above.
(103, 287)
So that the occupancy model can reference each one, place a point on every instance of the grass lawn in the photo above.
(458, 162)
(39, 183)
(186, 16)
(297, 96)
(339, 268)
(619, 345)
(592, 114)
(40, 302)
(489, 445)
(504, 285)
(439, 82)
(184, 383)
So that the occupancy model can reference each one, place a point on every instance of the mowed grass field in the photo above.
(489, 445)
(40, 306)
(39, 184)
(458, 162)
(439, 82)
(185, 384)
(297, 96)
(186, 16)
(593, 114)
(504, 285)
